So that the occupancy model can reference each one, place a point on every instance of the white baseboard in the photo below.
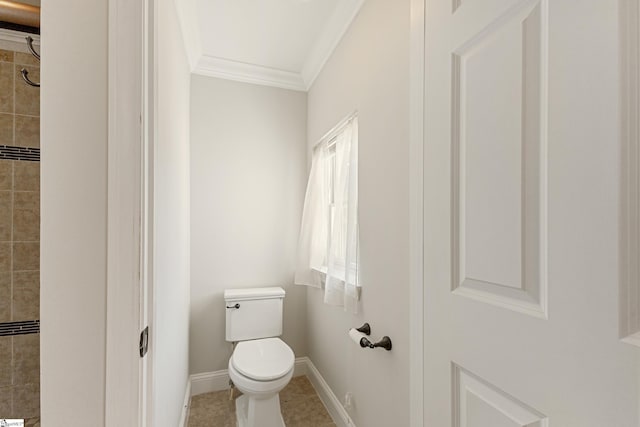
(208, 382)
(185, 407)
(301, 366)
(328, 397)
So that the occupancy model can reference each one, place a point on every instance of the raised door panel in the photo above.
(477, 403)
(499, 162)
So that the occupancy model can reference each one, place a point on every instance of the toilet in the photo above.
(261, 364)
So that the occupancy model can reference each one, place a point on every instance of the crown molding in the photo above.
(334, 30)
(212, 66)
(18, 36)
(248, 73)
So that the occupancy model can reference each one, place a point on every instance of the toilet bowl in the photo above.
(260, 369)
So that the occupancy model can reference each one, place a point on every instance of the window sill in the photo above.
(323, 274)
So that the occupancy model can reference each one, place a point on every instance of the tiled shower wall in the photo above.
(19, 237)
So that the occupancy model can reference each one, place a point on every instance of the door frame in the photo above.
(129, 305)
(416, 214)
(127, 394)
(149, 129)
(629, 295)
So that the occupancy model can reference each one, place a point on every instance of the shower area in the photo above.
(20, 211)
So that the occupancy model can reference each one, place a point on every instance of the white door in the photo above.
(521, 216)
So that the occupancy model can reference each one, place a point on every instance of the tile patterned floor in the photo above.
(301, 407)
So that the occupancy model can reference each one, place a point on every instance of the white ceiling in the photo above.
(283, 43)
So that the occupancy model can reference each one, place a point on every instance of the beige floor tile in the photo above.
(305, 412)
(300, 404)
(298, 387)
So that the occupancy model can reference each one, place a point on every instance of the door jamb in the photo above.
(149, 85)
(124, 404)
(629, 298)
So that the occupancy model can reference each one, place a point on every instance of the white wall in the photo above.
(74, 215)
(248, 177)
(170, 336)
(369, 72)
(74, 211)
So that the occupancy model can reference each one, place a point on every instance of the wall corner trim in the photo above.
(331, 35)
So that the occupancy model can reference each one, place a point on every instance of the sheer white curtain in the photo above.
(328, 245)
(312, 243)
(341, 287)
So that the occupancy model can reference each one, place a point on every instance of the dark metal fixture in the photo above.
(385, 343)
(25, 73)
(365, 329)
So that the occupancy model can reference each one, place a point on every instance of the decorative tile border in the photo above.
(8, 152)
(26, 327)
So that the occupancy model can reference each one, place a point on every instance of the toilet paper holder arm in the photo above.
(385, 343)
(365, 329)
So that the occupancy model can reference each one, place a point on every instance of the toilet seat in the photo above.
(264, 359)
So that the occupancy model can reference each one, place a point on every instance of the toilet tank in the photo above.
(258, 313)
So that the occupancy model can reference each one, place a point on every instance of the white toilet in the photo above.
(261, 364)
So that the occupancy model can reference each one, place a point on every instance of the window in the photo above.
(328, 246)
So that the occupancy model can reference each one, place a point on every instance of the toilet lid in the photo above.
(264, 359)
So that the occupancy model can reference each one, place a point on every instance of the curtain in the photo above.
(328, 245)
(312, 242)
(341, 287)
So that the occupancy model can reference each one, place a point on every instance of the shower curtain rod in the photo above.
(19, 16)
